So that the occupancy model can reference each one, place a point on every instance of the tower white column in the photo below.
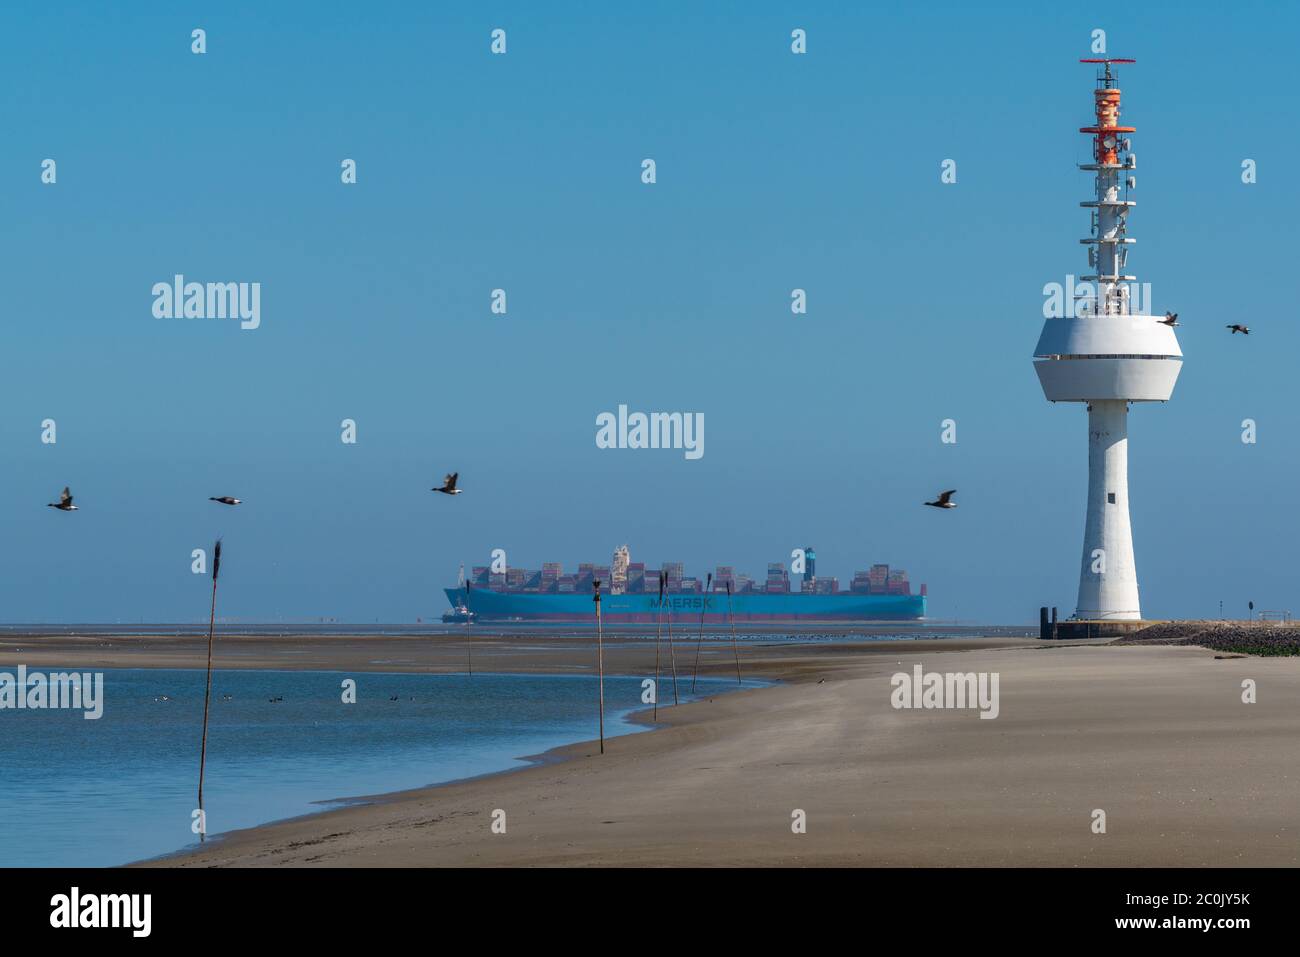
(1108, 587)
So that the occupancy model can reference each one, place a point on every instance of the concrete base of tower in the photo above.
(1074, 629)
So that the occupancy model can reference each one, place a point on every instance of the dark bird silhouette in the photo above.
(64, 503)
(448, 485)
(1170, 319)
(945, 499)
(1237, 327)
(225, 500)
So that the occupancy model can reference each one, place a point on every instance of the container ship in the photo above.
(630, 593)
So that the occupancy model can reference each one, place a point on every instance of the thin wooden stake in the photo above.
(672, 654)
(600, 662)
(469, 635)
(207, 696)
(707, 586)
(659, 629)
(732, 618)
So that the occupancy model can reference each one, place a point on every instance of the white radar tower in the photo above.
(1106, 356)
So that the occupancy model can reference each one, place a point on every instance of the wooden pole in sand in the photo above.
(207, 696)
(469, 635)
(600, 661)
(700, 642)
(672, 655)
(732, 618)
(659, 630)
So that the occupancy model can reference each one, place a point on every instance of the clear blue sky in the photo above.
(522, 171)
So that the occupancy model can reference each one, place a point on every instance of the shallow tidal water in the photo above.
(77, 792)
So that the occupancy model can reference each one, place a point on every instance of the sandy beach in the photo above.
(1157, 737)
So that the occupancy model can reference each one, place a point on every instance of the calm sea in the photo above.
(122, 788)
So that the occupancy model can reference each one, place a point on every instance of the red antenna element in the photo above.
(1105, 147)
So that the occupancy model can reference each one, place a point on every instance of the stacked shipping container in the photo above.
(879, 580)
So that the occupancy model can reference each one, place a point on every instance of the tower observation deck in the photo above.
(1107, 357)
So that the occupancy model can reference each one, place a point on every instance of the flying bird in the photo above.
(1170, 319)
(945, 499)
(1236, 328)
(449, 485)
(65, 501)
(225, 500)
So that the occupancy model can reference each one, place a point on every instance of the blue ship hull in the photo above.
(488, 605)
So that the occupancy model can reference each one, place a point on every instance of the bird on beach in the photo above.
(225, 500)
(945, 499)
(449, 485)
(1170, 319)
(1237, 327)
(65, 501)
